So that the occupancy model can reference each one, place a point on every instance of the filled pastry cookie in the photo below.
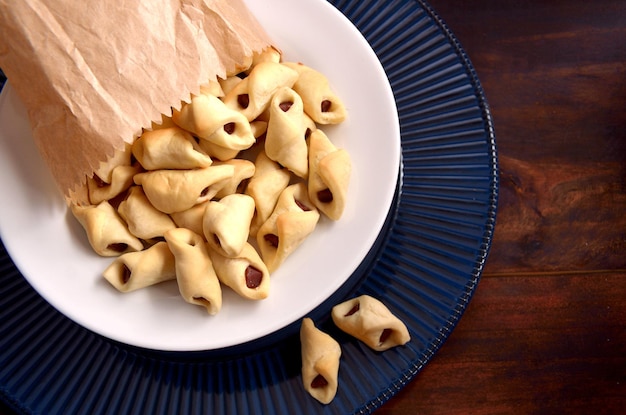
(245, 274)
(142, 218)
(112, 177)
(226, 223)
(320, 102)
(208, 118)
(177, 190)
(286, 131)
(169, 148)
(121, 180)
(320, 362)
(107, 233)
(265, 186)
(197, 281)
(135, 270)
(293, 219)
(370, 321)
(329, 175)
(253, 94)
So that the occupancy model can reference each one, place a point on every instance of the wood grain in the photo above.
(554, 76)
(546, 330)
(559, 216)
(529, 345)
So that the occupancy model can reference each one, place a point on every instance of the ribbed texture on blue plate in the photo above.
(431, 259)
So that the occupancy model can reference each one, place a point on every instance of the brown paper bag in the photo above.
(93, 73)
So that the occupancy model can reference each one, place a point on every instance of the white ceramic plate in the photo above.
(50, 248)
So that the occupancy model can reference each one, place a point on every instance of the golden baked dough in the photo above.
(107, 233)
(197, 282)
(309, 125)
(217, 152)
(370, 321)
(243, 170)
(208, 118)
(245, 274)
(191, 218)
(135, 270)
(177, 190)
(226, 223)
(291, 222)
(121, 180)
(320, 362)
(143, 219)
(265, 186)
(252, 95)
(286, 131)
(169, 148)
(329, 175)
(229, 83)
(112, 177)
(258, 128)
(320, 102)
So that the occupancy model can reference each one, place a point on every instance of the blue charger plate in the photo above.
(424, 266)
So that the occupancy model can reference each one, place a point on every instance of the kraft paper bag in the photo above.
(92, 74)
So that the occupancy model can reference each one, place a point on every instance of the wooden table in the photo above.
(546, 330)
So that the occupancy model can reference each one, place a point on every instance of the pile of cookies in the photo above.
(224, 190)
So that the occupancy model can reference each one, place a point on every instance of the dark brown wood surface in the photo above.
(545, 332)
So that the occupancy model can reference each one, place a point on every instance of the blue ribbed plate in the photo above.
(425, 269)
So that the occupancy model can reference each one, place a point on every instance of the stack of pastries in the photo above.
(224, 190)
